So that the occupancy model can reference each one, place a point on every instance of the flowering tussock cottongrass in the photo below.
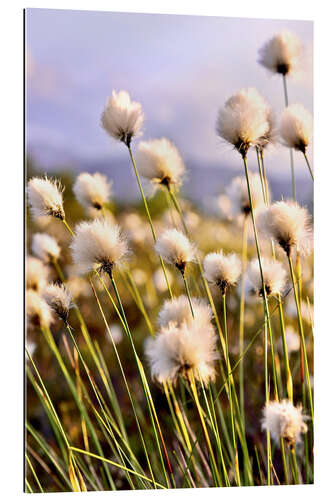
(243, 121)
(45, 197)
(37, 274)
(122, 118)
(289, 225)
(59, 298)
(282, 54)
(175, 248)
(159, 161)
(296, 127)
(45, 247)
(177, 311)
(183, 348)
(92, 190)
(284, 420)
(274, 276)
(222, 270)
(98, 245)
(238, 195)
(37, 310)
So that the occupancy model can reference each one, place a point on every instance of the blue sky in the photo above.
(181, 68)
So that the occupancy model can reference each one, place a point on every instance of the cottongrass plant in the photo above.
(92, 191)
(104, 429)
(296, 129)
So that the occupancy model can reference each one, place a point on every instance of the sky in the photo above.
(181, 68)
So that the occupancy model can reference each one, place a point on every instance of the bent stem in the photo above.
(148, 215)
(308, 164)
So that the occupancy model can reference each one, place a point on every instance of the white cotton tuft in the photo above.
(282, 54)
(37, 310)
(92, 191)
(274, 276)
(59, 299)
(122, 118)
(238, 195)
(175, 248)
(178, 310)
(98, 245)
(289, 225)
(222, 270)
(181, 350)
(296, 127)
(284, 420)
(243, 120)
(159, 161)
(45, 247)
(37, 274)
(45, 197)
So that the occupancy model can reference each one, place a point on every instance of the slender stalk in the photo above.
(289, 380)
(301, 331)
(308, 164)
(236, 465)
(241, 318)
(294, 466)
(188, 293)
(148, 215)
(286, 101)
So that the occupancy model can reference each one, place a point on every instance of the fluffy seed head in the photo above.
(222, 270)
(159, 161)
(243, 120)
(122, 118)
(37, 310)
(45, 197)
(98, 245)
(59, 299)
(238, 195)
(282, 54)
(296, 127)
(177, 311)
(270, 137)
(274, 276)
(92, 190)
(288, 224)
(177, 350)
(45, 247)
(175, 248)
(37, 274)
(284, 420)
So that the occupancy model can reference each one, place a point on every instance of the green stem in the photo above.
(188, 293)
(241, 319)
(148, 215)
(308, 164)
(286, 101)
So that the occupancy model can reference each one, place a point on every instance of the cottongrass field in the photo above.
(167, 347)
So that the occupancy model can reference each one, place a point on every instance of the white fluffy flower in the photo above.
(177, 350)
(238, 195)
(270, 136)
(177, 311)
(98, 245)
(284, 420)
(92, 190)
(122, 118)
(274, 276)
(292, 340)
(159, 161)
(45, 247)
(288, 224)
(59, 299)
(296, 127)
(45, 197)
(282, 54)
(37, 274)
(243, 120)
(116, 333)
(37, 310)
(175, 248)
(222, 270)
